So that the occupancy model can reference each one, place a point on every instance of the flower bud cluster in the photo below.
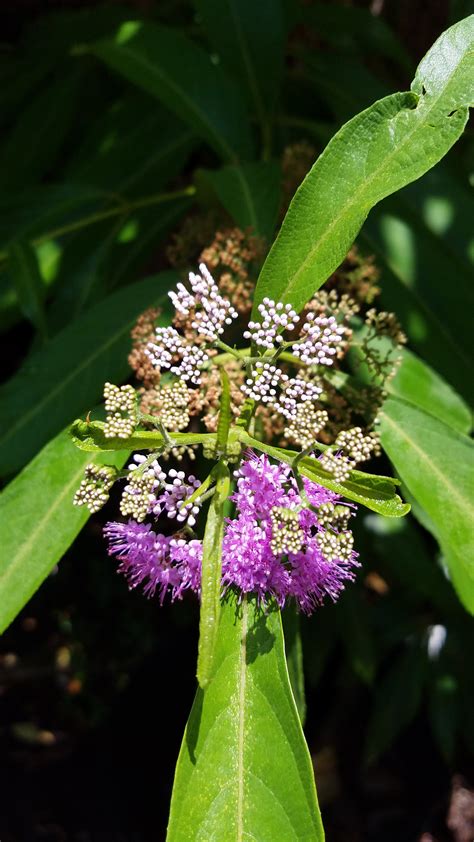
(120, 405)
(276, 317)
(287, 535)
(170, 350)
(306, 424)
(386, 324)
(211, 310)
(93, 491)
(138, 496)
(295, 393)
(177, 491)
(335, 517)
(321, 339)
(264, 383)
(336, 545)
(174, 400)
(335, 464)
(356, 446)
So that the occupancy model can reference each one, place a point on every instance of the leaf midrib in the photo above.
(376, 173)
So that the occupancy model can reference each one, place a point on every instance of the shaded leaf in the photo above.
(250, 38)
(66, 377)
(436, 464)
(38, 521)
(172, 68)
(376, 153)
(250, 193)
(294, 657)
(228, 784)
(25, 274)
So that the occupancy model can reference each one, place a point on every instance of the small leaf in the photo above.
(176, 71)
(250, 193)
(24, 271)
(436, 464)
(39, 522)
(211, 576)
(374, 492)
(66, 377)
(244, 770)
(376, 153)
(89, 436)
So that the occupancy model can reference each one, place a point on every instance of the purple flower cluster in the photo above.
(275, 546)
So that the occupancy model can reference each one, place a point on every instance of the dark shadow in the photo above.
(194, 724)
(260, 640)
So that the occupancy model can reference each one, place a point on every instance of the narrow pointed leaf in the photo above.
(38, 521)
(380, 150)
(244, 771)
(182, 76)
(437, 465)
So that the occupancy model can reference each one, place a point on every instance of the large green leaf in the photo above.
(249, 37)
(66, 377)
(379, 151)
(244, 770)
(418, 384)
(250, 193)
(436, 464)
(38, 521)
(172, 68)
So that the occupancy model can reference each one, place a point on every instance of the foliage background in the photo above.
(95, 681)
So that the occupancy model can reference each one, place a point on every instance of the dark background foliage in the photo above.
(95, 682)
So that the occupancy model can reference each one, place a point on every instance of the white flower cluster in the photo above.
(120, 405)
(295, 392)
(210, 310)
(321, 338)
(276, 317)
(335, 464)
(172, 351)
(174, 412)
(93, 491)
(336, 517)
(264, 383)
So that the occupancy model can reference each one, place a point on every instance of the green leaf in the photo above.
(436, 464)
(24, 271)
(38, 521)
(421, 386)
(244, 770)
(211, 576)
(374, 492)
(393, 142)
(66, 377)
(249, 37)
(250, 193)
(396, 702)
(172, 68)
(294, 657)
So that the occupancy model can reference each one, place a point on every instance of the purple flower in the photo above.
(275, 547)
